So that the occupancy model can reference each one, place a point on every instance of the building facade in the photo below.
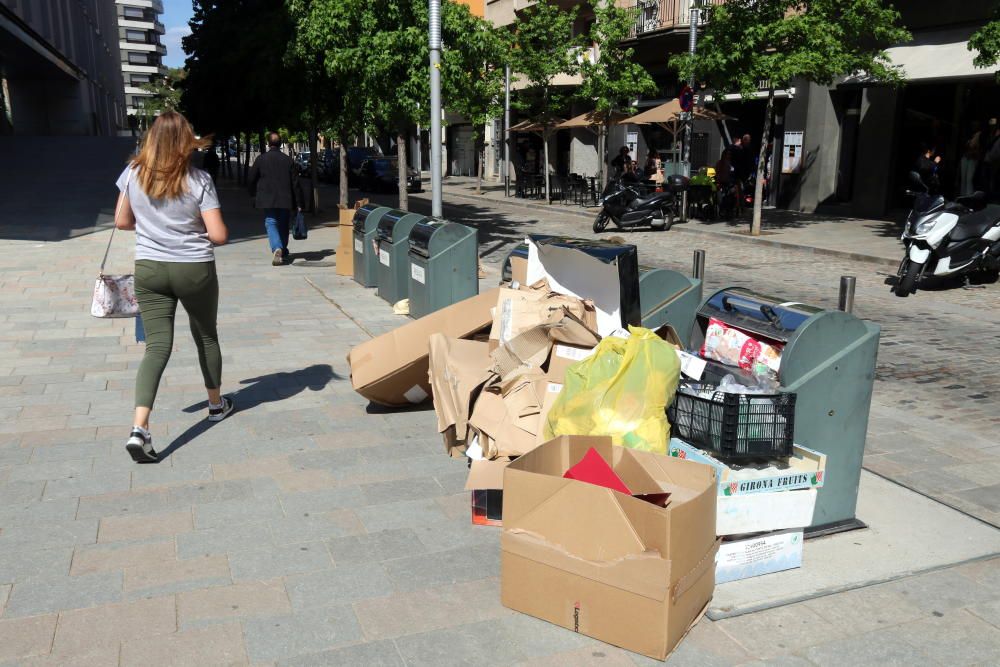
(59, 68)
(139, 31)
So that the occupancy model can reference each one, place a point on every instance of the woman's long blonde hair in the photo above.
(165, 156)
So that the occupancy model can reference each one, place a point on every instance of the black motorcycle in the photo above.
(627, 206)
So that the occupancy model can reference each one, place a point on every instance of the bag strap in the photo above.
(118, 209)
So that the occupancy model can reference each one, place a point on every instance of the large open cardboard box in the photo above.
(392, 368)
(599, 562)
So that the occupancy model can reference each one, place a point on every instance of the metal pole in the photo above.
(506, 129)
(689, 116)
(846, 302)
(435, 138)
(688, 125)
(698, 269)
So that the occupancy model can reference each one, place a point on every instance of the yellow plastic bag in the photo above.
(621, 390)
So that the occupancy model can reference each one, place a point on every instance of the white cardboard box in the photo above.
(761, 554)
(764, 512)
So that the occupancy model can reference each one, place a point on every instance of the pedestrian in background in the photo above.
(174, 210)
(274, 184)
(621, 160)
(972, 153)
(210, 163)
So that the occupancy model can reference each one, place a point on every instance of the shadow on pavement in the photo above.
(256, 391)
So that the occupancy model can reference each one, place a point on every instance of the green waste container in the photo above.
(444, 265)
(393, 240)
(365, 253)
(828, 362)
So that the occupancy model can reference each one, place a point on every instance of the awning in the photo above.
(590, 119)
(934, 55)
(670, 113)
(535, 125)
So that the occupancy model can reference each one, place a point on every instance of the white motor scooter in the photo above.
(944, 238)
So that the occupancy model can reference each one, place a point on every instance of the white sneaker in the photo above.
(140, 447)
(218, 414)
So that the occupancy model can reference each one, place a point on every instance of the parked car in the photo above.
(382, 173)
(356, 156)
(302, 162)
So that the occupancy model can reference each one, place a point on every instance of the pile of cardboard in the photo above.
(491, 396)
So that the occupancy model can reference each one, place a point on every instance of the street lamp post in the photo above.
(435, 138)
(506, 130)
(689, 115)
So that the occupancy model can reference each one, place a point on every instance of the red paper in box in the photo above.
(593, 469)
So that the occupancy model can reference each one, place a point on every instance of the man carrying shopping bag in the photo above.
(274, 184)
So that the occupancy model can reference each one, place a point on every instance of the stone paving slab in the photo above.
(354, 544)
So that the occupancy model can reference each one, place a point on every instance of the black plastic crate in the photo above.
(735, 426)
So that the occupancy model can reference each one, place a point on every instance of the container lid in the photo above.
(764, 315)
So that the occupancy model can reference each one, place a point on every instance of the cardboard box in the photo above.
(519, 270)
(757, 555)
(345, 250)
(392, 368)
(458, 369)
(604, 564)
(765, 512)
(804, 469)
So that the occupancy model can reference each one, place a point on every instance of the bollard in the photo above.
(698, 269)
(847, 284)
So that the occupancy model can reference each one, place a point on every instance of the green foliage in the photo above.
(615, 79)
(543, 48)
(473, 53)
(166, 91)
(986, 43)
(746, 42)
(238, 74)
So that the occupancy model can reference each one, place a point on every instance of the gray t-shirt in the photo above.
(172, 230)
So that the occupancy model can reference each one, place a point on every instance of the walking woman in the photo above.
(174, 210)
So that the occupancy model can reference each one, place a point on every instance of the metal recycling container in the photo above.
(393, 241)
(365, 253)
(827, 360)
(444, 265)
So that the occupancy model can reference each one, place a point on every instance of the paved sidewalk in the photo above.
(875, 241)
(312, 529)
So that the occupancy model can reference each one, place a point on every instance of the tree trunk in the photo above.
(239, 159)
(758, 190)
(545, 167)
(246, 154)
(344, 185)
(404, 197)
(602, 153)
(480, 155)
(313, 169)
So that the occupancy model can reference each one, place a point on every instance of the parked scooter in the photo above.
(945, 238)
(627, 207)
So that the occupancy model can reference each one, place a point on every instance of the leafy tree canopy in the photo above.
(613, 79)
(746, 42)
(986, 43)
(543, 48)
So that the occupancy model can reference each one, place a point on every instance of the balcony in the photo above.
(654, 16)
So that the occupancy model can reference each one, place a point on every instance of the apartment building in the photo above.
(59, 68)
(139, 31)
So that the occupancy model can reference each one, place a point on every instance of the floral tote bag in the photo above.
(114, 295)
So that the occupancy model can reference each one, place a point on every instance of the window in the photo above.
(134, 13)
(135, 36)
(140, 79)
(138, 59)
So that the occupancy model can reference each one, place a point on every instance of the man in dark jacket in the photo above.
(274, 184)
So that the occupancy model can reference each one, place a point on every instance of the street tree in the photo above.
(611, 78)
(166, 93)
(472, 75)
(326, 39)
(544, 47)
(229, 37)
(746, 42)
(986, 43)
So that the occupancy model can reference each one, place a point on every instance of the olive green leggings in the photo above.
(158, 288)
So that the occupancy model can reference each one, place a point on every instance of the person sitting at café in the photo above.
(621, 160)
(652, 166)
(631, 173)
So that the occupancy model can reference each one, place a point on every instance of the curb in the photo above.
(829, 252)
